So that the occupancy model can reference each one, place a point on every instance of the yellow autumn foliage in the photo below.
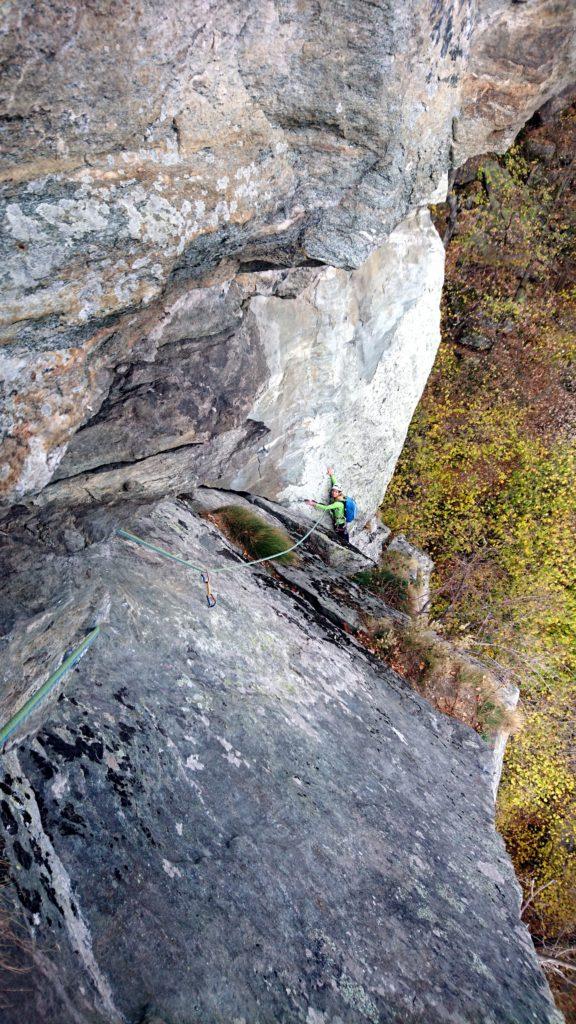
(487, 484)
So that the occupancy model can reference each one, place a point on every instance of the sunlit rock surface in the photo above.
(259, 380)
(153, 150)
(237, 814)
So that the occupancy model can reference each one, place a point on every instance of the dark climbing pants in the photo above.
(342, 534)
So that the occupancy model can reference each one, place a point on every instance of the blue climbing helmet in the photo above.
(350, 509)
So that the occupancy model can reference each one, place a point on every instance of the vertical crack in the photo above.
(176, 130)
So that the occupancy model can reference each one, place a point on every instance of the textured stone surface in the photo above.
(236, 814)
(372, 538)
(315, 361)
(521, 55)
(347, 361)
(136, 178)
(415, 568)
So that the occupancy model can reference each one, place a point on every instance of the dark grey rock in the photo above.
(560, 101)
(237, 814)
(151, 1017)
(477, 342)
(540, 150)
(73, 539)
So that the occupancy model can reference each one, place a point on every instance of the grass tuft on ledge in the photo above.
(253, 534)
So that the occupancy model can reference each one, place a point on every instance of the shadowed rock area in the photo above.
(237, 814)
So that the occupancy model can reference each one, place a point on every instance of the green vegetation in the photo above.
(449, 678)
(390, 586)
(252, 533)
(486, 484)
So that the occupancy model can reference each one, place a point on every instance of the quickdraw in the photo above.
(210, 597)
(205, 576)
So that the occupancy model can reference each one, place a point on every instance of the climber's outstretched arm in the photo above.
(324, 508)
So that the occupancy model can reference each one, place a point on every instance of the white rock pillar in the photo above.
(348, 358)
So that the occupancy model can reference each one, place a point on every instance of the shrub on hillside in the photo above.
(390, 586)
(485, 484)
(448, 677)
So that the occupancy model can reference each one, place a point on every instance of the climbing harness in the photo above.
(204, 573)
(50, 683)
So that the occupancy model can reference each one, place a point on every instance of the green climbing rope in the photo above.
(50, 683)
(72, 659)
(269, 558)
(223, 568)
(159, 551)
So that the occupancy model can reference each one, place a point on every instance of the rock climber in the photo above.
(336, 508)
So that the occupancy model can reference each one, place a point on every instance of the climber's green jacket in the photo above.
(335, 508)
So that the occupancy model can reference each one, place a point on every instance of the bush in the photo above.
(485, 484)
(392, 588)
(252, 533)
(452, 681)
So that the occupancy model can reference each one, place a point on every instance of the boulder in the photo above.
(476, 341)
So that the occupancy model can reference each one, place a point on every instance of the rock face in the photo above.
(191, 829)
(519, 52)
(149, 185)
(218, 269)
(309, 361)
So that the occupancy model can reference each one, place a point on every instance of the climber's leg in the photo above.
(342, 534)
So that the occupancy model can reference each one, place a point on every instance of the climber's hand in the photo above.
(310, 502)
(330, 471)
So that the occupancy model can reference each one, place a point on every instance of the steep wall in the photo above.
(155, 154)
(217, 268)
(315, 363)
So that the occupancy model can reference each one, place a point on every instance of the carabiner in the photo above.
(210, 598)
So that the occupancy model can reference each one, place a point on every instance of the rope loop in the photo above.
(204, 574)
